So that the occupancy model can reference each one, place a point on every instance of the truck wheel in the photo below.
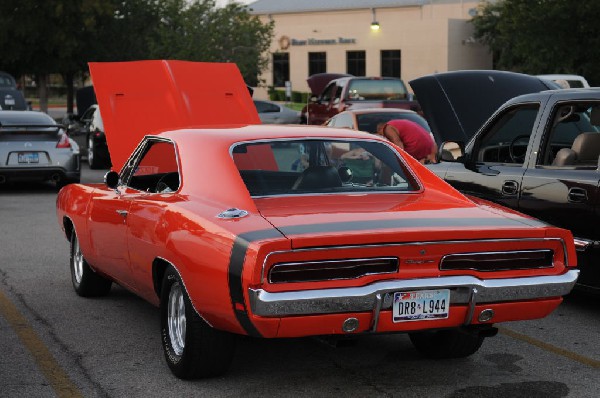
(86, 282)
(92, 154)
(192, 348)
(442, 344)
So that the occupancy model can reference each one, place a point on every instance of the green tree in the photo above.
(43, 37)
(542, 36)
(199, 31)
(61, 36)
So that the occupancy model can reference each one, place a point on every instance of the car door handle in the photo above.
(122, 213)
(510, 188)
(577, 195)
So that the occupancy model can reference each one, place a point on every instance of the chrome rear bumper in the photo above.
(463, 290)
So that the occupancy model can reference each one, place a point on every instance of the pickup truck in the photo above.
(335, 93)
(537, 154)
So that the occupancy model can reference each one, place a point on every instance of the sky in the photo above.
(223, 2)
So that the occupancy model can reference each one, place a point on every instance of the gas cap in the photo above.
(233, 213)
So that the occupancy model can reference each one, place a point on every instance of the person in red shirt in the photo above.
(411, 137)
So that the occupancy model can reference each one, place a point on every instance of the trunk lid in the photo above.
(338, 220)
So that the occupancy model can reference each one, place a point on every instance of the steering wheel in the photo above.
(168, 183)
(511, 149)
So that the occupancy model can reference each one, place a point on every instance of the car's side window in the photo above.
(506, 140)
(157, 169)
(572, 138)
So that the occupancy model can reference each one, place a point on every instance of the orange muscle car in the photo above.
(289, 231)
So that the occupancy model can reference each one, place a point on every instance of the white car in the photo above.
(274, 113)
(567, 81)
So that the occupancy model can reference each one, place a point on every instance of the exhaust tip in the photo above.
(486, 315)
(350, 325)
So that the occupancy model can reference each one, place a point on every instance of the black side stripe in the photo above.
(236, 266)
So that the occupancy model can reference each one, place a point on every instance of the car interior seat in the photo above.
(318, 177)
(584, 151)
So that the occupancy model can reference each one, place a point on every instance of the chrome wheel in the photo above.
(77, 262)
(176, 319)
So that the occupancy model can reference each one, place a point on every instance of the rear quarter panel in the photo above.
(72, 205)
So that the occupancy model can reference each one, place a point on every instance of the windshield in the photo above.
(371, 89)
(321, 166)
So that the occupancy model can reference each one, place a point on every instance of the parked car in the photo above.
(570, 81)
(367, 119)
(273, 113)
(335, 93)
(11, 98)
(213, 226)
(34, 147)
(88, 132)
(537, 153)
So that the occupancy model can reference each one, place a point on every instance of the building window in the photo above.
(281, 69)
(355, 63)
(390, 63)
(317, 63)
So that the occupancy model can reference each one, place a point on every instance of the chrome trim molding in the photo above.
(364, 299)
(416, 243)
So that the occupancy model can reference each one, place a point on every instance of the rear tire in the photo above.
(92, 154)
(86, 282)
(443, 344)
(192, 348)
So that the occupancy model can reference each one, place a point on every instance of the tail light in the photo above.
(63, 142)
(312, 271)
(499, 261)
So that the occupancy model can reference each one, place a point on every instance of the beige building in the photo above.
(415, 38)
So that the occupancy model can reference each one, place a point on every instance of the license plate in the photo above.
(9, 101)
(29, 157)
(421, 305)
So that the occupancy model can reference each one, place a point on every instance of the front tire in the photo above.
(86, 282)
(444, 344)
(192, 348)
(92, 154)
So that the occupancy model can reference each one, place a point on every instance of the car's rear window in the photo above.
(373, 89)
(293, 167)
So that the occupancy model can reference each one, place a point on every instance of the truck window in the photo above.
(507, 138)
(573, 136)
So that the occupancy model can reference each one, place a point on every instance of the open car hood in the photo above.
(457, 104)
(318, 81)
(146, 97)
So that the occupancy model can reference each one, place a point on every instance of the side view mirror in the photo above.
(451, 151)
(111, 179)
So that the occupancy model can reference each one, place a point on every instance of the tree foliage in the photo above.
(542, 36)
(198, 31)
(62, 36)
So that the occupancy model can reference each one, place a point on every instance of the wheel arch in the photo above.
(68, 227)
(159, 267)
